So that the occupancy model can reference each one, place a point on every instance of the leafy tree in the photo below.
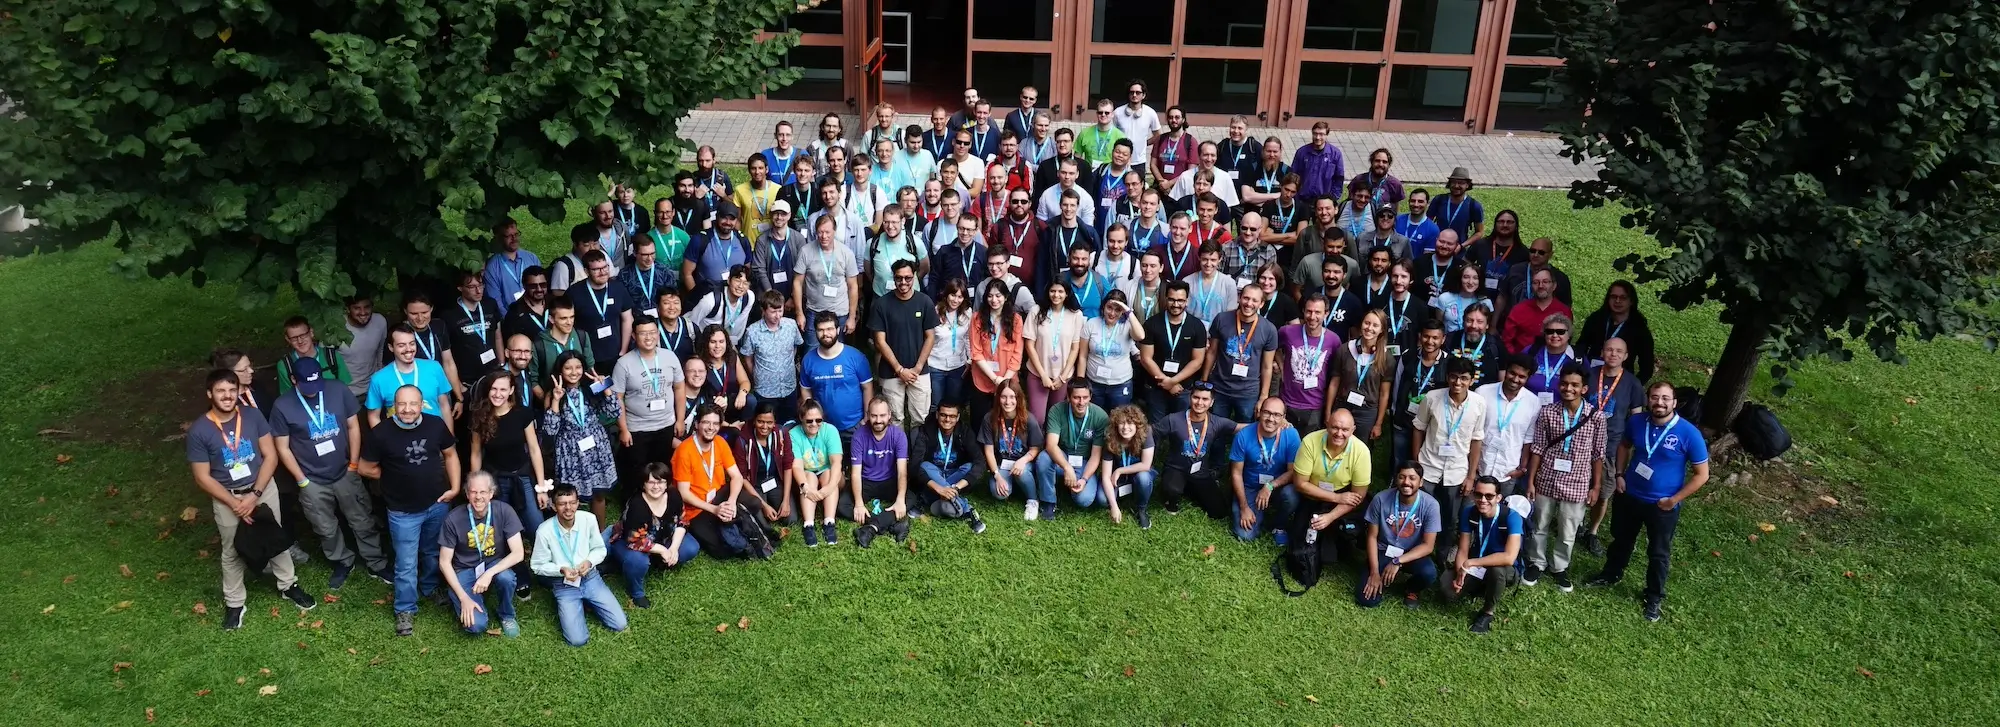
(1823, 169)
(320, 144)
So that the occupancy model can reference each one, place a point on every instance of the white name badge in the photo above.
(1546, 397)
(1444, 447)
(486, 356)
(1076, 460)
(1414, 406)
(992, 368)
(1310, 382)
(517, 294)
(1264, 479)
(1596, 362)
(1013, 261)
(1172, 367)
(1124, 490)
(603, 331)
(1232, 174)
(778, 277)
(1395, 351)
(1492, 282)
(479, 571)
(586, 444)
(1006, 465)
(656, 405)
(1239, 370)
(573, 581)
(1643, 470)
(1194, 467)
(1328, 486)
(831, 291)
(323, 448)
(767, 486)
(1355, 398)
(239, 471)
(1475, 571)
(1562, 465)
(608, 300)
(1392, 552)
(1434, 302)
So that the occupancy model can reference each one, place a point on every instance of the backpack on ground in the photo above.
(1758, 431)
(1690, 400)
(1301, 557)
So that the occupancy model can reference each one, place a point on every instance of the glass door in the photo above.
(1018, 43)
(1403, 65)
(1209, 57)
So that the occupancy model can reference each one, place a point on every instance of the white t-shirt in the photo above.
(1050, 206)
(952, 347)
(1108, 350)
(971, 167)
(1138, 126)
(1056, 335)
(1223, 189)
(1509, 426)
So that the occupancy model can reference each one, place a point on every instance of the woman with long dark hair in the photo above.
(1055, 338)
(504, 444)
(1365, 369)
(573, 418)
(951, 349)
(1619, 318)
(730, 377)
(1463, 290)
(996, 348)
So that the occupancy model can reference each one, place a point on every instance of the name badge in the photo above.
(1328, 486)
(1444, 446)
(1475, 571)
(239, 471)
(603, 331)
(656, 405)
(1076, 460)
(573, 581)
(1310, 382)
(1492, 283)
(1194, 467)
(1395, 351)
(778, 277)
(1239, 369)
(1172, 367)
(1013, 261)
(1232, 174)
(768, 485)
(1546, 397)
(1392, 552)
(586, 444)
(1562, 465)
(1414, 406)
(1124, 490)
(1596, 362)
(1643, 470)
(1434, 301)
(831, 291)
(517, 294)
(486, 356)
(1355, 398)
(1006, 465)
(992, 368)
(479, 571)
(1264, 479)
(323, 448)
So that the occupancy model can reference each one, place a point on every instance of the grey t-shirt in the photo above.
(317, 433)
(363, 355)
(1108, 351)
(1307, 271)
(224, 450)
(478, 540)
(1233, 349)
(822, 271)
(647, 386)
(1398, 525)
(1010, 445)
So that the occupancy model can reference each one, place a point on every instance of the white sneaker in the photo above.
(1034, 510)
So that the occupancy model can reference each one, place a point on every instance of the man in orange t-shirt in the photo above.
(704, 468)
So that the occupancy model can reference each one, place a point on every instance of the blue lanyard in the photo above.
(577, 412)
(1178, 265)
(568, 545)
(1569, 425)
(429, 352)
(1451, 427)
(944, 447)
(770, 444)
(1654, 440)
(1448, 214)
(481, 320)
(600, 301)
(1174, 337)
(320, 421)
(1381, 290)
(1089, 286)
(1285, 218)
(1547, 371)
(780, 171)
(1397, 319)
(1486, 531)
(1267, 451)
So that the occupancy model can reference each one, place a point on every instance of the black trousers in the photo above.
(884, 490)
(1628, 515)
(1204, 489)
(1491, 587)
(707, 529)
(647, 448)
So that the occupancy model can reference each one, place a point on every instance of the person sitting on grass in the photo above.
(1402, 531)
(478, 546)
(1489, 541)
(1013, 442)
(878, 491)
(816, 460)
(944, 454)
(1128, 463)
(1330, 476)
(1072, 446)
(568, 548)
(719, 508)
(1261, 469)
(650, 532)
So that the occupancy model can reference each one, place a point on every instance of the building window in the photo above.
(1428, 93)
(1000, 75)
(1339, 90)
(1109, 74)
(1217, 86)
(1530, 99)
(1238, 23)
(1346, 24)
(1013, 19)
(1438, 26)
(819, 75)
(1132, 21)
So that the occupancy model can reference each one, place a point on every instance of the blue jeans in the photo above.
(634, 565)
(517, 489)
(1047, 474)
(415, 537)
(1400, 439)
(1142, 486)
(1242, 410)
(498, 599)
(1422, 574)
(1111, 396)
(571, 600)
(933, 472)
(1158, 403)
(1027, 486)
(948, 387)
(1283, 501)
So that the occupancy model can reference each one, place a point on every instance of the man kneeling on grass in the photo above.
(478, 546)
(945, 458)
(1489, 541)
(1403, 531)
(568, 548)
(877, 495)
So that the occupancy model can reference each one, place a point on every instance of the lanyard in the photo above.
(966, 259)
(1507, 412)
(1547, 371)
(1009, 444)
(1486, 531)
(779, 247)
(568, 544)
(651, 380)
(1180, 264)
(1174, 336)
(1449, 214)
(1383, 289)
(1329, 468)
(1410, 517)
(1451, 427)
(627, 221)
(707, 460)
(320, 420)
(680, 334)
(481, 319)
(1076, 426)
(944, 447)
(1267, 451)
(1146, 298)
(1206, 301)
(1207, 235)
(937, 147)
(806, 199)
(1242, 341)
(684, 218)
(478, 543)
(541, 322)
(514, 267)
(742, 309)
(229, 442)
(574, 402)
(720, 372)
(1604, 394)
(1610, 332)
(815, 456)
(430, 351)
(1107, 346)
(1569, 425)
(993, 344)
(1653, 441)
(1398, 317)
(1270, 180)
(770, 445)
(1170, 148)
(1198, 441)
(1424, 384)
(1437, 275)
(1103, 140)
(1089, 286)
(954, 322)
(1071, 240)
(599, 301)
(1236, 152)
(1285, 217)
(1314, 351)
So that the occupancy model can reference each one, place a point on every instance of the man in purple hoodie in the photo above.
(1321, 173)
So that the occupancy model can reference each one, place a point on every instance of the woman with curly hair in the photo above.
(504, 445)
(573, 418)
(1128, 462)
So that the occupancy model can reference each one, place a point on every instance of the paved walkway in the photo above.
(1497, 159)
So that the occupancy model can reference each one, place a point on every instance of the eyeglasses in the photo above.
(960, 142)
(905, 278)
(1027, 98)
(1532, 251)
(1270, 413)
(1555, 331)
(1487, 495)
(301, 338)
(814, 421)
(537, 286)
(1137, 92)
(1017, 201)
(599, 268)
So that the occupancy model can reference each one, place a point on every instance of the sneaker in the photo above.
(406, 624)
(829, 533)
(1652, 609)
(900, 531)
(864, 536)
(1600, 581)
(1048, 511)
(1533, 576)
(1173, 508)
(1562, 581)
(299, 597)
(1410, 600)
(438, 597)
(812, 536)
(523, 592)
(642, 602)
(1592, 545)
(1033, 509)
(232, 618)
(1482, 623)
(510, 627)
(1145, 519)
(339, 577)
(978, 525)
(387, 577)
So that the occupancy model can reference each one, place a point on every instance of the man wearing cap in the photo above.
(776, 249)
(711, 254)
(1384, 233)
(1459, 212)
(319, 444)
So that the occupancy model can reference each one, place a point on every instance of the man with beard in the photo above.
(529, 316)
(1319, 166)
(1661, 463)
(1459, 212)
(1475, 344)
(712, 254)
(474, 322)
(1259, 185)
(837, 376)
(504, 270)
(406, 370)
(1195, 447)
(1304, 351)
(657, 256)
(691, 212)
(233, 458)
(1322, 240)
(1563, 476)
(1421, 230)
(1402, 533)
(1172, 354)
(1175, 150)
(1448, 437)
(1019, 236)
(603, 314)
(902, 324)
(1381, 188)
(1242, 367)
(879, 478)
(752, 199)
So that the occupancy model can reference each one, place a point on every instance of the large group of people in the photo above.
(934, 321)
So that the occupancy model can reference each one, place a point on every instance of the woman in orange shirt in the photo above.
(996, 345)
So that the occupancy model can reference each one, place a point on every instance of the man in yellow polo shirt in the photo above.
(1331, 477)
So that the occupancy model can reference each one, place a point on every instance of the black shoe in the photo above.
(1600, 581)
(1562, 581)
(439, 598)
(339, 577)
(385, 576)
(232, 618)
(1652, 609)
(1048, 511)
(1410, 600)
(978, 525)
(1145, 518)
(829, 533)
(900, 531)
(1592, 545)
(406, 624)
(1482, 623)
(524, 592)
(642, 602)
(1173, 508)
(299, 597)
(864, 536)
(1533, 576)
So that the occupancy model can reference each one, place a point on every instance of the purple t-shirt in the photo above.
(877, 457)
(1302, 359)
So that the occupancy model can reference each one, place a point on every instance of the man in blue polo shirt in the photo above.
(1261, 465)
(837, 376)
(1662, 462)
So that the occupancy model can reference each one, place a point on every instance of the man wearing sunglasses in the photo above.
(1489, 541)
(1095, 141)
(971, 166)
(1138, 122)
(902, 324)
(1021, 121)
(529, 315)
(1541, 256)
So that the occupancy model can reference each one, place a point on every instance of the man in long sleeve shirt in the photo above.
(568, 549)
(1321, 173)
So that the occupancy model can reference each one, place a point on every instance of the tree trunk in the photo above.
(1730, 383)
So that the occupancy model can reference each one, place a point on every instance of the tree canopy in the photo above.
(319, 144)
(1823, 169)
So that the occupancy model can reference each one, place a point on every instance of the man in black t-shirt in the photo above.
(412, 454)
(1192, 446)
(474, 322)
(901, 324)
(1170, 357)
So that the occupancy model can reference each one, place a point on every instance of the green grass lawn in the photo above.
(1878, 610)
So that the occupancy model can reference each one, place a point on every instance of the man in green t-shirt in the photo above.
(303, 343)
(1071, 449)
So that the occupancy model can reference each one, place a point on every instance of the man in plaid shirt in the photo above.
(1563, 474)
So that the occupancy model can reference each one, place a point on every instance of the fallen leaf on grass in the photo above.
(274, 612)
(1864, 672)
(267, 690)
(200, 609)
(1715, 553)
(120, 666)
(162, 575)
(64, 459)
(494, 632)
(721, 627)
(912, 543)
(125, 570)
(743, 623)
(53, 432)
(380, 601)
(302, 646)
(424, 650)
(377, 661)
(1313, 699)
(240, 680)
(149, 714)
(1830, 502)
(1753, 537)
(351, 651)
(1910, 400)
(482, 669)
(1210, 550)
(201, 692)
(188, 514)
(1030, 532)
(1129, 671)
(264, 672)
(784, 532)
(111, 491)
(910, 655)
(1380, 682)
(120, 606)
(330, 598)
(1849, 574)
(201, 554)
(1767, 527)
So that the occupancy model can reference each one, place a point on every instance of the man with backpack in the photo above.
(1489, 541)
